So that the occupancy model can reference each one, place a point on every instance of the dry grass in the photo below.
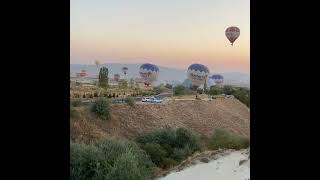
(127, 122)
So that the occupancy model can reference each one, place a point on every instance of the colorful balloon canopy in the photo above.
(149, 73)
(125, 70)
(198, 74)
(217, 79)
(232, 33)
(116, 77)
(97, 62)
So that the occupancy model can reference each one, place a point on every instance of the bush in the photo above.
(168, 163)
(86, 162)
(156, 153)
(130, 101)
(243, 95)
(228, 90)
(166, 147)
(76, 103)
(185, 137)
(159, 136)
(214, 90)
(181, 154)
(226, 140)
(109, 159)
(115, 153)
(102, 108)
(179, 90)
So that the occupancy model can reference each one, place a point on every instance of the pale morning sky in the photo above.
(172, 33)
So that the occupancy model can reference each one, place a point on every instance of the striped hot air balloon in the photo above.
(116, 77)
(216, 79)
(198, 74)
(232, 33)
(149, 73)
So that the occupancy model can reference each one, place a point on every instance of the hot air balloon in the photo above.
(116, 77)
(124, 70)
(97, 62)
(217, 79)
(232, 33)
(82, 74)
(198, 74)
(149, 73)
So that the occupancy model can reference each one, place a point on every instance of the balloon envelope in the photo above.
(232, 33)
(216, 79)
(149, 73)
(97, 62)
(116, 77)
(198, 74)
(124, 70)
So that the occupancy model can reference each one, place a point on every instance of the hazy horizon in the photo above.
(173, 33)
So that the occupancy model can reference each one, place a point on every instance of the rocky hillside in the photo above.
(129, 122)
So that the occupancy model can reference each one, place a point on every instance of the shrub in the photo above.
(179, 90)
(116, 153)
(159, 136)
(130, 101)
(168, 146)
(76, 102)
(126, 167)
(102, 108)
(156, 153)
(168, 163)
(243, 95)
(86, 162)
(180, 154)
(228, 90)
(226, 140)
(185, 137)
(214, 90)
(109, 159)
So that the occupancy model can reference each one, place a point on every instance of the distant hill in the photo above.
(170, 75)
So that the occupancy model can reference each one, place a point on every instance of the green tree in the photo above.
(102, 108)
(243, 95)
(103, 77)
(179, 90)
(169, 86)
(228, 90)
(131, 83)
(214, 90)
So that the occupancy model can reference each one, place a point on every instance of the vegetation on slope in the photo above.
(222, 139)
(109, 159)
(167, 147)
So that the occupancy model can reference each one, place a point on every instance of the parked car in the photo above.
(155, 100)
(146, 99)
